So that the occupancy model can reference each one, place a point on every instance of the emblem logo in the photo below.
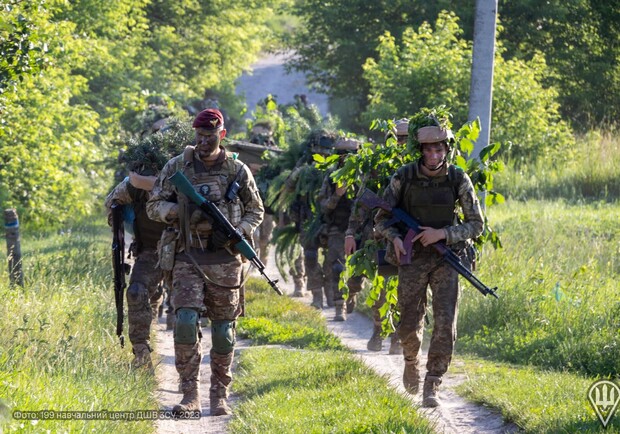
(604, 397)
(204, 190)
(214, 122)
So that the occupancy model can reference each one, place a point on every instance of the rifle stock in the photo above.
(181, 182)
(371, 200)
(120, 268)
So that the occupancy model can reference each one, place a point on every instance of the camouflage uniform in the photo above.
(205, 276)
(336, 212)
(307, 264)
(408, 189)
(144, 293)
(361, 229)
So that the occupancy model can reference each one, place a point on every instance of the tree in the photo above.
(336, 38)
(432, 66)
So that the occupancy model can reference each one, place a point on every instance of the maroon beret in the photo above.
(210, 119)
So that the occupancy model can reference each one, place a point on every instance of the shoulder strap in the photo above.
(455, 177)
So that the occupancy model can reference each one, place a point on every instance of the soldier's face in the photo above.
(434, 154)
(208, 141)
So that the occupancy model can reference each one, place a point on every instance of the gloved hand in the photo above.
(218, 239)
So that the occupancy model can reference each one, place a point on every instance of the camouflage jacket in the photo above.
(470, 228)
(146, 231)
(245, 213)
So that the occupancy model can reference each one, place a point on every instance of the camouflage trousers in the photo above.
(427, 268)
(144, 294)
(334, 266)
(312, 267)
(220, 303)
(298, 271)
(262, 237)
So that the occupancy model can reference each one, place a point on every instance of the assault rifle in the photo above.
(120, 268)
(370, 200)
(184, 186)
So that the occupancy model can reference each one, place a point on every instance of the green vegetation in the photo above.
(537, 400)
(57, 348)
(307, 384)
(305, 391)
(557, 276)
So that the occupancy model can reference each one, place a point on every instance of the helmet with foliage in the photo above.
(431, 126)
(322, 141)
(400, 131)
(262, 133)
(346, 145)
(149, 154)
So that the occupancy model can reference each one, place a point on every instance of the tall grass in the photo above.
(590, 170)
(58, 350)
(558, 282)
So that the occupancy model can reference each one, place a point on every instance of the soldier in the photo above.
(262, 134)
(307, 176)
(357, 234)
(144, 293)
(336, 208)
(207, 269)
(429, 190)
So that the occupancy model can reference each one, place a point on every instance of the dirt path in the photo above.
(269, 77)
(455, 416)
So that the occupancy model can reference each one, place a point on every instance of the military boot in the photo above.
(142, 357)
(411, 377)
(190, 401)
(299, 290)
(395, 345)
(375, 341)
(221, 377)
(329, 297)
(351, 302)
(430, 396)
(317, 299)
(219, 406)
(341, 312)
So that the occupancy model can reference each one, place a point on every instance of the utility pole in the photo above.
(481, 91)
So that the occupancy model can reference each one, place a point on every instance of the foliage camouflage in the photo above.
(373, 166)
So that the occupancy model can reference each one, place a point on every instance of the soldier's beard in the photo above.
(208, 149)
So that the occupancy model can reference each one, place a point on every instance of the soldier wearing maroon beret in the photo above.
(207, 269)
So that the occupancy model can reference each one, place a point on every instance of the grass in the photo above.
(308, 385)
(311, 391)
(588, 171)
(58, 350)
(538, 401)
(557, 276)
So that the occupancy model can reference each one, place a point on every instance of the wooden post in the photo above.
(13, 247)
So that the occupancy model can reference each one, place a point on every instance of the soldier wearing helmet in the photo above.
(336, 207)
(430, 189)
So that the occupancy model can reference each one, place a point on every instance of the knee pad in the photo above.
(137, 293)
(186, 326)
(223, 336)
(337, 268)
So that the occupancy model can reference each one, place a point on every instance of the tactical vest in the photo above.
(339, 216)
(147, 232)
(212, 183)
(431, 201)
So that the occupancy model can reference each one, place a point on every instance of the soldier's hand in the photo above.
(399, 248)
(349, 245)
(218, 239)
(173, 214)
(429, 235)
(340, 191)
